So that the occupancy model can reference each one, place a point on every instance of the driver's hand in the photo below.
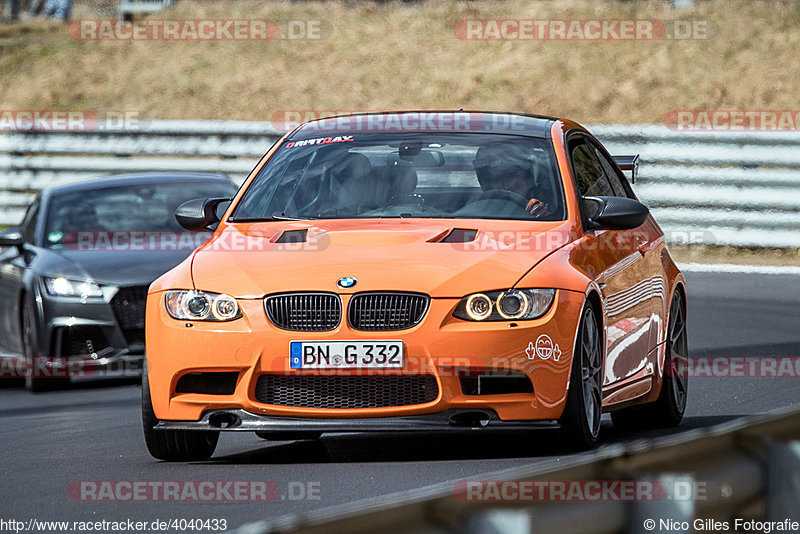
(537, 207)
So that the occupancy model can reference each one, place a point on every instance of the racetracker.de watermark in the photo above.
(582, 29)
(192, 491)
(508, 240)
(110, 363)
(105, 363)
(262, 239)
(727, 120)
(55, 120)
(130, 240)
(192, 524)
(314, 239)
(737, 367)
(412, 121)
(199, 30)
(285, 120)
(578, 490)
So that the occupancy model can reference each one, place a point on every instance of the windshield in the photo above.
(136, 207)
(466, 175)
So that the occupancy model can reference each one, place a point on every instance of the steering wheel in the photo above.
(502, 194)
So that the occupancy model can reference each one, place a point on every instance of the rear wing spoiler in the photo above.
(628, 163)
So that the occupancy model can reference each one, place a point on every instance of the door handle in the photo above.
(642, 245)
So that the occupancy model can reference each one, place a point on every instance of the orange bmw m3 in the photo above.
(418, 271)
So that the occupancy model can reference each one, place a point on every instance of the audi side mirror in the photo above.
(12, 237)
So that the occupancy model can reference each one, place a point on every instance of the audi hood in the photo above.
(110, 268)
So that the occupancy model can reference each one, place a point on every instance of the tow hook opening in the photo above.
(224, 420)
(472, 419)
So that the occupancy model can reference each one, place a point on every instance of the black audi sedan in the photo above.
(74, 275)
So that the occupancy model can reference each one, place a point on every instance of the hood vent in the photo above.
(460, 235)
(293, 236)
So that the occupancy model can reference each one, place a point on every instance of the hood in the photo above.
(114, 268)
(440, 257)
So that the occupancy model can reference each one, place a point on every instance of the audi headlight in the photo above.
(64, 287)
(192, 305)
(508, 305)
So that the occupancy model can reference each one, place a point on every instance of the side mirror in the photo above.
(614, 213)
(199, 214)
(12, 237)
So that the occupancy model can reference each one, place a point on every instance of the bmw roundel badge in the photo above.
(347, 282)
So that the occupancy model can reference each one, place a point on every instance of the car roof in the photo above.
(470, 121)
(137, 178)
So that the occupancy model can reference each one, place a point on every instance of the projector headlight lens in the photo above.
(193, 305)
(511, 304)
(478, 306)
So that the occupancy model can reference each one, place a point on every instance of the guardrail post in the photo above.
(673, 502)
(783, 482)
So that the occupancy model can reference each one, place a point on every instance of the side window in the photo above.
(28, 225)
(611, 173)
(589, 174)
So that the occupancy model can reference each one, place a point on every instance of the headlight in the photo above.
(63, 287)
(511, 304)
(190, 305)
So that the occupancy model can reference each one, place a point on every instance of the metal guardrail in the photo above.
(30, 161)
(746, 468)
(723, 188)
(726, 188)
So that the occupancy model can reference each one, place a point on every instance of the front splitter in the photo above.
(454, 420)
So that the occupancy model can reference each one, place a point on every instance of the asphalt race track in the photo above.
(92, 431)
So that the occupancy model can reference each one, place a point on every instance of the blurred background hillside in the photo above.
(407, 55)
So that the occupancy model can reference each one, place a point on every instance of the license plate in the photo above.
(346, 354)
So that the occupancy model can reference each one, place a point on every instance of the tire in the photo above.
(580, 422)
(173, 445)
(667, 411)
(33, 383)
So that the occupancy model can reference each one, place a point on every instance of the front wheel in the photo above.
(173, 445)
(668, 409)
(580, 423)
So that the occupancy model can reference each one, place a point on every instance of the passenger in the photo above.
(350, 183)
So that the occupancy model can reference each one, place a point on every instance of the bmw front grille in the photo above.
(372, 312)
(386, 311)
(304, 312)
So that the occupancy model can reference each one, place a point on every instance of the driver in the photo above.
(82, 217)
(497, 169)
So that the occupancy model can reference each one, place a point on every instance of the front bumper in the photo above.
(441, 346)
(84, 338)
(453, 420)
